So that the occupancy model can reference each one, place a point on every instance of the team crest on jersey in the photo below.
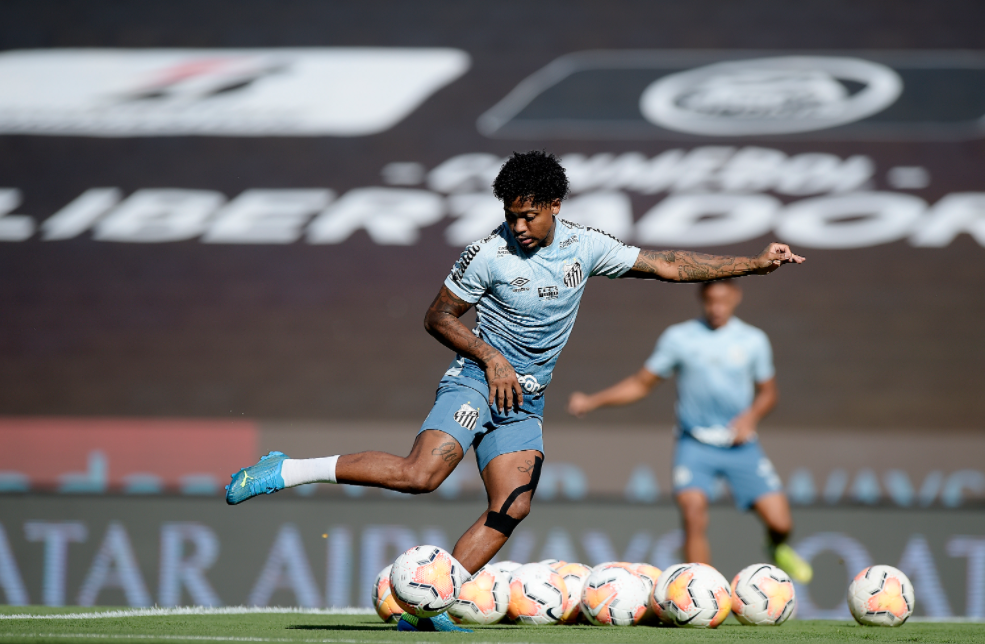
(573, 275)
(466, 416)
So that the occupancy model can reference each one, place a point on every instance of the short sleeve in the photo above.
(663, 361)
(469, 277)
(610, 257)
(762, 366)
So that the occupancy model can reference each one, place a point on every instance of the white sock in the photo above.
(298, 471)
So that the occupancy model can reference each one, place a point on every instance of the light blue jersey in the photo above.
(716, 369)
(526, 301)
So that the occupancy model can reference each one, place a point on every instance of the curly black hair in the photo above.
(535, 175)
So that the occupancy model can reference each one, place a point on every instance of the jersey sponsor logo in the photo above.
(507, 250)
(466, 416)
(548, 292)
(219, 92)
(462, 265)
(573, 275)
(519, 284)
(567, 242)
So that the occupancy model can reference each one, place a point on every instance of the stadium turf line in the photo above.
(289, 628)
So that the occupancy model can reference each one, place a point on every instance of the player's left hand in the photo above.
(774, 256)
(743, 428)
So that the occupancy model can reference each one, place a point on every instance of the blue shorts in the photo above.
(461, 409)
(749, 472)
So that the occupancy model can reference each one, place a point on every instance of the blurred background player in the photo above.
(725, 386)
(526, 280)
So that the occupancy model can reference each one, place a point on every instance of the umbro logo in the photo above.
(519, 283)
(548, 292)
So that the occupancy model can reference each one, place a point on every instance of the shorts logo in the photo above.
(548, 292)
(573, 275)
(529, 384)
(519, 283)
(682, 476)
(466, 416)
(567, 242)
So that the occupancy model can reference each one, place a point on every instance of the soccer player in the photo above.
(525, 280)
(725, 386)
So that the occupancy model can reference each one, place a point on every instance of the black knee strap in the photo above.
(501, 521)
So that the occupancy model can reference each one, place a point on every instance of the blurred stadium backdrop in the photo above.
(222, 223)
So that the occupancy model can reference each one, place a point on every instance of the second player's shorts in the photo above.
(461, 409)
(749, 472)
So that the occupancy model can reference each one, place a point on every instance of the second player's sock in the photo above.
(298, 471)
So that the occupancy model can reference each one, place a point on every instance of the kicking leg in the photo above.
(432, 458)
(774, 510)
(510, 480)
(693, 504)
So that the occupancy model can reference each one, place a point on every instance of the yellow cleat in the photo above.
(793, 564)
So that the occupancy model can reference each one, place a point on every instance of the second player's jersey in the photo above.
(526, 301)
(716, 369)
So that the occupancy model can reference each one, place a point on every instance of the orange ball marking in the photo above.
(724, 600)
(598, 600)
(890, 598)
(478, 590)
(437, 574)
(677, 591)
(520, 604)
(778, 595)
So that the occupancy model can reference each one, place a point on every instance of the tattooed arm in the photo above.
(687, 266)
(442, 321)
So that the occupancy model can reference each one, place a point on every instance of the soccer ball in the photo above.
(383, 600)
(507, 566)
(881, 596)
(762, 595)
(615, 564)
(484, 598)
(426, 580)
(574, 576)
(649, 574)
(538, 595)
(694, 595)
(614, 596)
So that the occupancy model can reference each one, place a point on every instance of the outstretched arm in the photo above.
(442, 321)
(627, 391)
(687, 266)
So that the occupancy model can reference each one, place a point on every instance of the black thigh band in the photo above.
(501, 521)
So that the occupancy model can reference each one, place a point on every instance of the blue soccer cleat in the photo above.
(440, 622)
(262, 478)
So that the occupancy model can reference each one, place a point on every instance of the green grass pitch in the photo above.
(357, 629)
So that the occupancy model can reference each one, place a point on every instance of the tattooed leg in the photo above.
(434, 456)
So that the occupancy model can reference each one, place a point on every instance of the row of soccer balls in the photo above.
(427, 580)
